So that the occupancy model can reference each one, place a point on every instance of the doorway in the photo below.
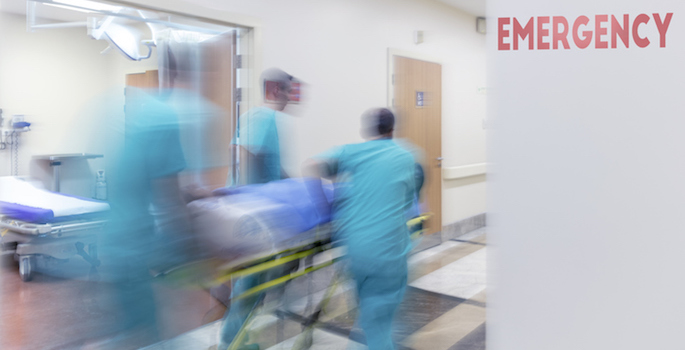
(416, 92)
(215, 83)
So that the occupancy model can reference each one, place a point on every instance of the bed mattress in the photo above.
(22, 200)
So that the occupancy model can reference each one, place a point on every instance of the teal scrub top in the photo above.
(257, 133)
(200, 122)
(375, 189)
(152, 150)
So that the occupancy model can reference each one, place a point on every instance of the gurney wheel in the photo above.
(25, 268)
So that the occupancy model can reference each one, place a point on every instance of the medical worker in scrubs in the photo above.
(150, 228)
(257, 142)
(257, 139)
(376, 187)
(145, 175)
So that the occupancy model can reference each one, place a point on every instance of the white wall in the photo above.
(47, 76)
(340, 48)
(586, 229)
(54, 77)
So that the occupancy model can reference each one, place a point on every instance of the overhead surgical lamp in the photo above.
(125, 39)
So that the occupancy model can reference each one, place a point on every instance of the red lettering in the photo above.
(502, 33)
(587, 35)
(621, 32)
(663, 27)
(599, 31)
(558, 36)
(523, 32)
(639, 41)
(542, 33)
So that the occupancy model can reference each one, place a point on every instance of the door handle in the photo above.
(439, 159)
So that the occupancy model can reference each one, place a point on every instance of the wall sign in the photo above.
(557, 32)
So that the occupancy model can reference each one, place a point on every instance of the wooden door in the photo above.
(218, 81)
(147, 80)
(418, 102)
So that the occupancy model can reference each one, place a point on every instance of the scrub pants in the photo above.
(240, 309)
(127, 249)
(380, 289)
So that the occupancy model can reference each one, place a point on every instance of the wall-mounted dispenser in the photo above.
(9, 136)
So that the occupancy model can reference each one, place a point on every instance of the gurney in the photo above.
(306, 255)
(256, 229)
(38, 223)
(240, 228)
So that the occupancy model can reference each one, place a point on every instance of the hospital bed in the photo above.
(38, 223)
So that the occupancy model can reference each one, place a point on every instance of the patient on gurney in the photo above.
(258, 221)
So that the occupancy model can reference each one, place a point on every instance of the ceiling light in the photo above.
(90, 5)
(70, 8)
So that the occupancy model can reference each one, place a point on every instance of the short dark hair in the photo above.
(386, 121)
(377, 121)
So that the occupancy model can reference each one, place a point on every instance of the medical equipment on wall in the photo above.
(10, 136)
(3, 145)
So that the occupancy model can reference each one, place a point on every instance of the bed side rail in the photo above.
(48, 229)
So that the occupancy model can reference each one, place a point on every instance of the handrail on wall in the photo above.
(460, 172)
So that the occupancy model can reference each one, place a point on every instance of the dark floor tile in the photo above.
(417, 310)
(473, 341)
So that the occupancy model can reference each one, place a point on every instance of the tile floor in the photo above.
(444, 307)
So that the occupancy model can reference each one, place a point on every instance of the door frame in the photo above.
(250, 46)
(392, 53)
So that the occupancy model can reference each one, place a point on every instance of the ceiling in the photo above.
(474, 7)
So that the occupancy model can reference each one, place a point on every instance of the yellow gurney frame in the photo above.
(248, 266)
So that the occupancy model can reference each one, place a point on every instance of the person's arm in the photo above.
(312, 169)
(323, 166)
(250, 166)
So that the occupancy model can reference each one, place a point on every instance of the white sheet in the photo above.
(18, 191)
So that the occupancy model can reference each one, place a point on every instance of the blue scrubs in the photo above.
(377, 188)
(257, 133)
(151, 151)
